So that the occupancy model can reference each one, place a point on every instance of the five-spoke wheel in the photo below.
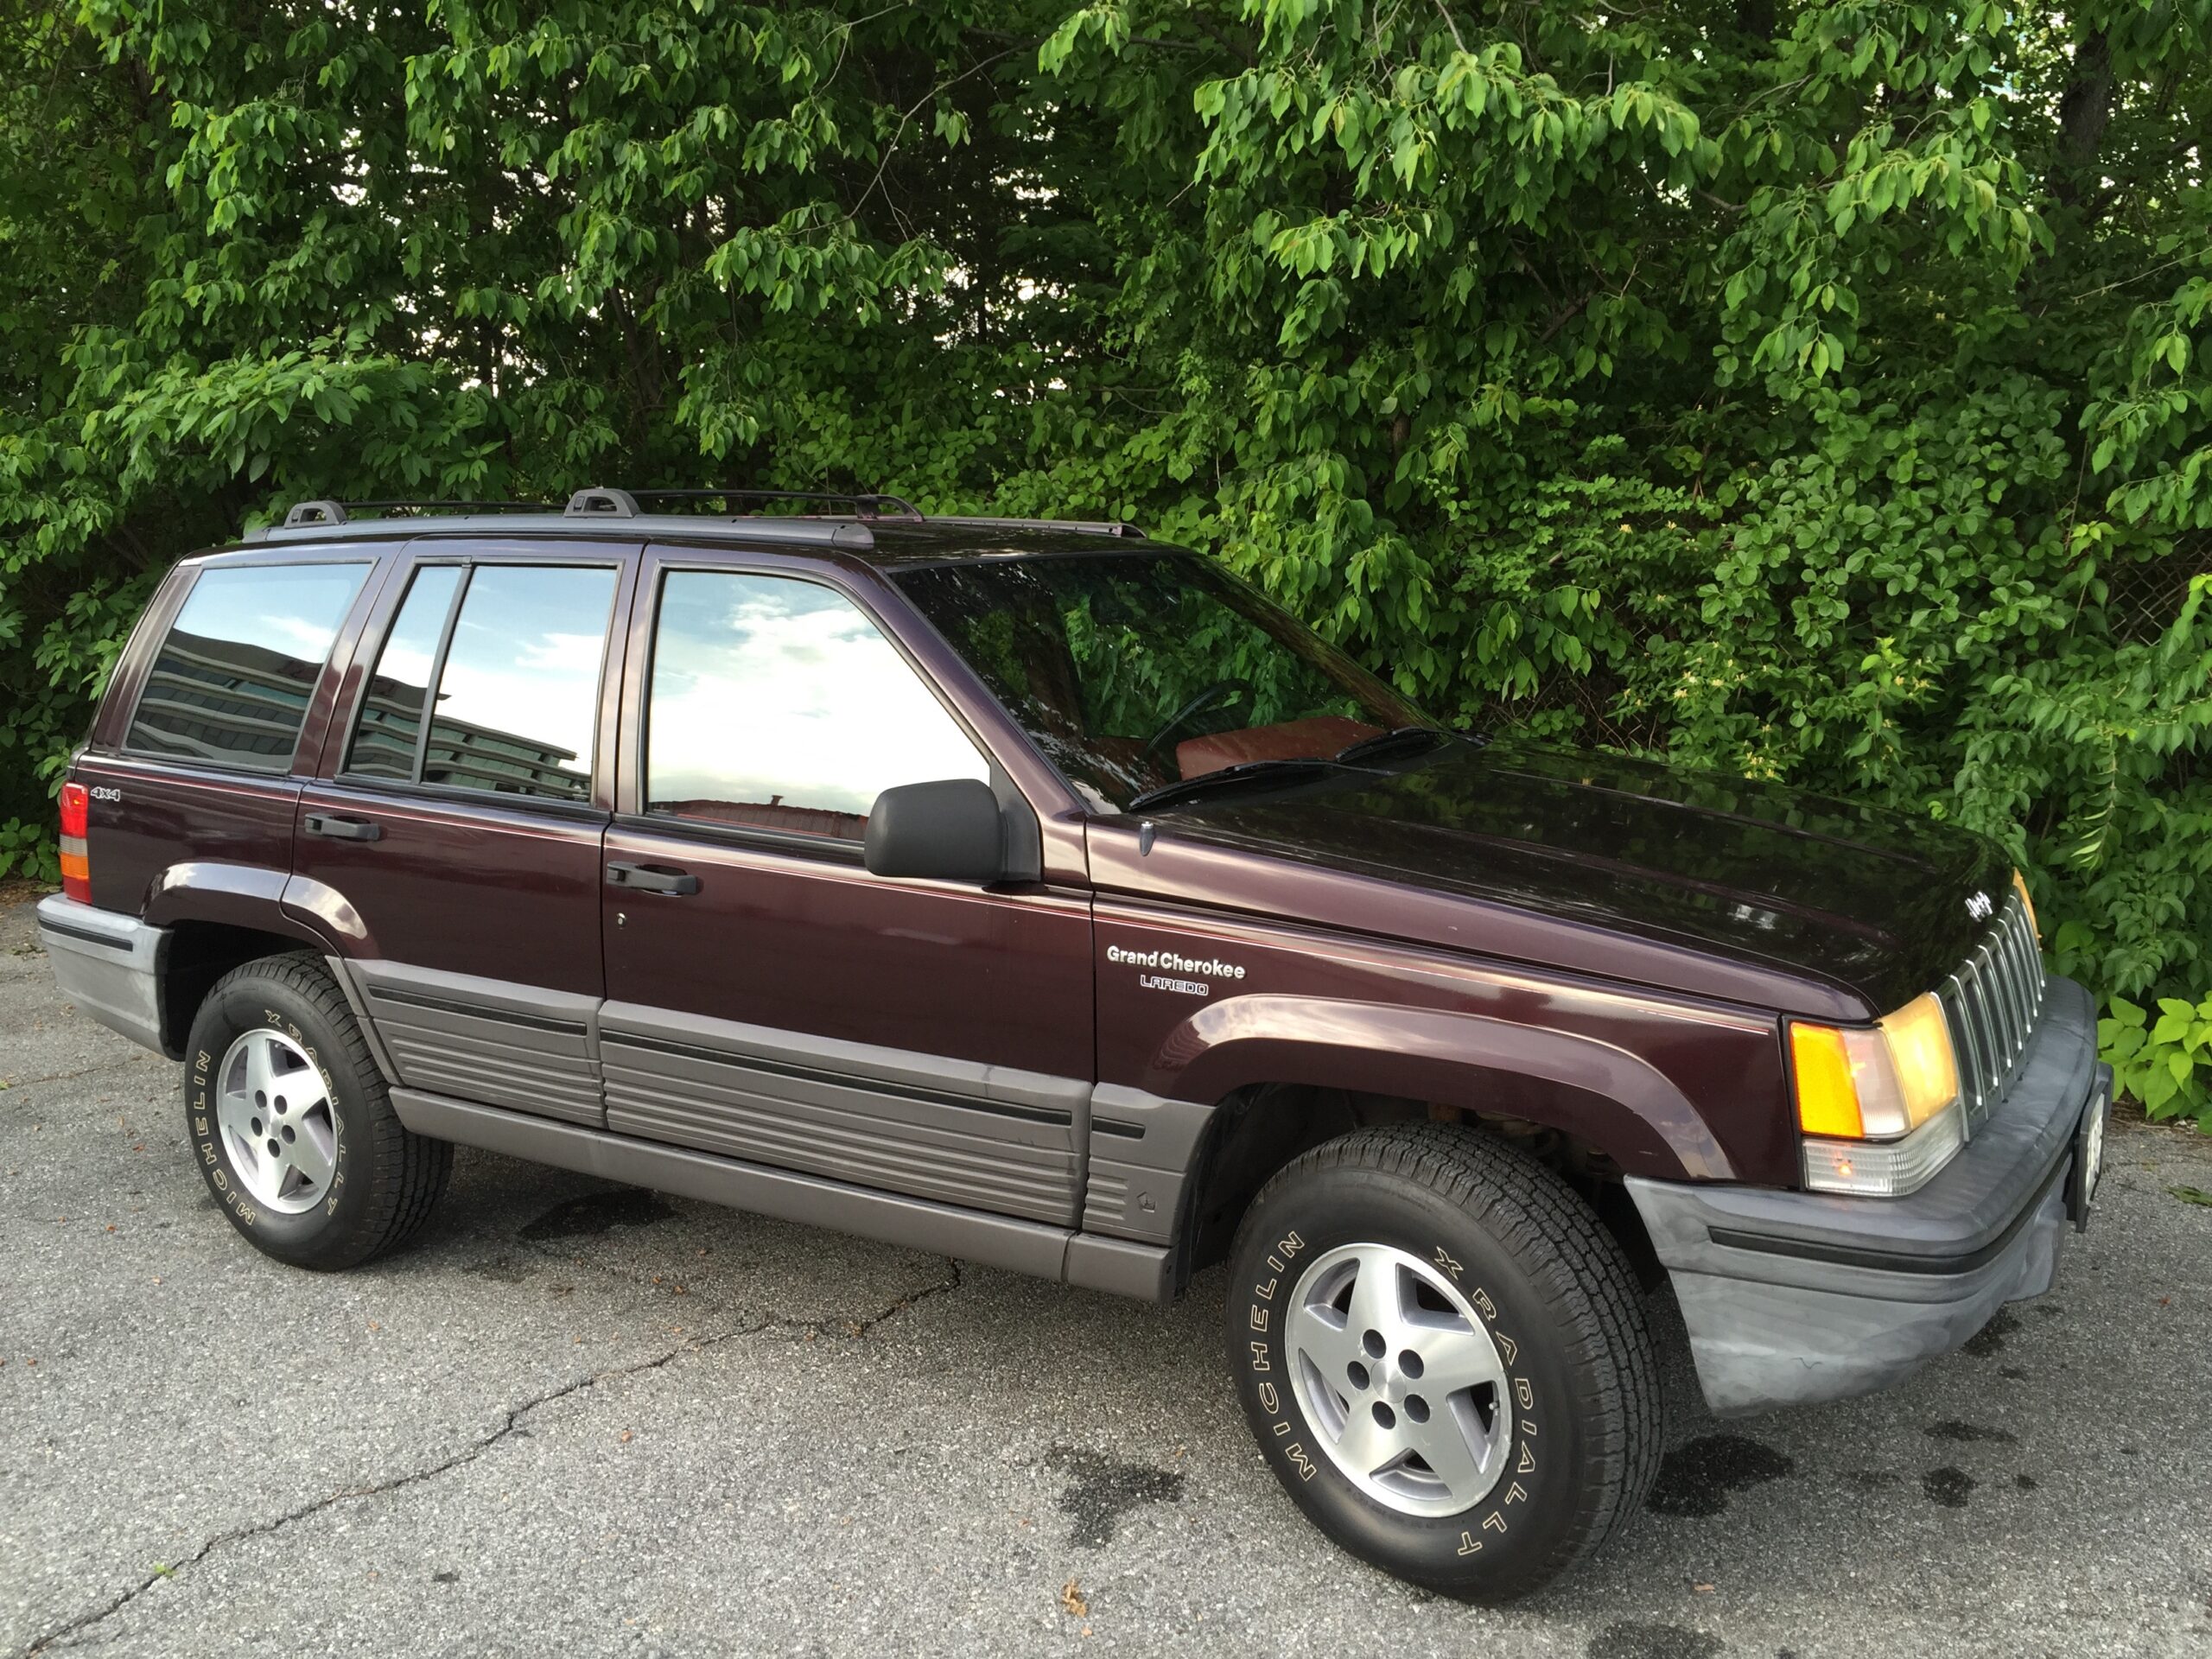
(1393, 1365)
(277, 1123)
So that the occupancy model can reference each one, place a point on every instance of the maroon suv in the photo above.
(1040, 895)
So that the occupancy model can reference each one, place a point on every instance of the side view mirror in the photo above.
(943, 831)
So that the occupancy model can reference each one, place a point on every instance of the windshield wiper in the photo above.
(1248, 771)
(1382, 743)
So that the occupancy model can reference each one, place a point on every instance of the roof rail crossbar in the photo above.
(1086, 527)
(864, 506)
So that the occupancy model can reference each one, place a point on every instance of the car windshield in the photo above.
(1137, 671)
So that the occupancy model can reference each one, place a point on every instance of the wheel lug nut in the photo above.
(1374, 1344)
(1384, 1416)
(1408, 1362)
(1416, 1407)
(1358, 1373)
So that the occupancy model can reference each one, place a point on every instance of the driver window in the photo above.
(777, 704)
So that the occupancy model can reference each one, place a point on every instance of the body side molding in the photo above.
(972, 1235)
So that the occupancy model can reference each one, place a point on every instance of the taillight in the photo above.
(76, 867)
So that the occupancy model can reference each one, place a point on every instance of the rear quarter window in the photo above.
(230, 683)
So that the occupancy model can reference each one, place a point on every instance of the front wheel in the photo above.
(1444, 1356)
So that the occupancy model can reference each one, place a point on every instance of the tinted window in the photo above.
(776, 703)
(232, 679)
(390, 726)
(518, 699)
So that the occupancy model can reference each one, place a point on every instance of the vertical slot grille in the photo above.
(1993, 1002)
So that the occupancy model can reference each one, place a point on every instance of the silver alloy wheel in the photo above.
(1399, 1378)
(277, 1121)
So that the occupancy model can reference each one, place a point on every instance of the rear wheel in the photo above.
(290, 1123)
(1443, 1357)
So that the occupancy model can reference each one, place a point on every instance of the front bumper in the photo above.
(1791, 1297)
(107, 963)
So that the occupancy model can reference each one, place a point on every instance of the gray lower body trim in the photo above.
(486, 1040)
(957, 1131)
(1144, 1150)
(1793, 1297)
(914, 1224)
(107, 963)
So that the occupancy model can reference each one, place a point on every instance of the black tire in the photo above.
(385, 1180)
(1559, 1300)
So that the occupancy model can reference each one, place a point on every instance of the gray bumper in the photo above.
(107, 963)
(1792, 1297)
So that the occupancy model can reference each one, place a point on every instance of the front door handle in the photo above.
(651, 878)
(337, 829)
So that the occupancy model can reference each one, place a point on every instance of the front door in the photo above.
(769, 999)
(461, 855)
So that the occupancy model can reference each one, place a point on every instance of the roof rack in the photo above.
(338, 512)
(1084, 526)
(849, 529)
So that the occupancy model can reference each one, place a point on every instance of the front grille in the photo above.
(1993, 1002)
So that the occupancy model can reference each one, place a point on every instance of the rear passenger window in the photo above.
(231, 680)
(389, 730)
(516, 674)
(777, 704)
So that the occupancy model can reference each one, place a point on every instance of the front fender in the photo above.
(1597, 1090)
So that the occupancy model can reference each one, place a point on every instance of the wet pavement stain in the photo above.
(598, 1212)
(1696, 1477)
(504, 1271)
(1967, 1434)
(2025, 1483)
(1102, 1489)
(1631, 1639)
(1990, 1339)
(1947, 1487)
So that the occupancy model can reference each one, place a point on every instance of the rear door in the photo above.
(459, 855)
(767, 997)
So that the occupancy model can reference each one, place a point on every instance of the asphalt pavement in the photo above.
(577, 1420)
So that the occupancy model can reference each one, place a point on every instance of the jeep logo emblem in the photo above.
(1980, 907)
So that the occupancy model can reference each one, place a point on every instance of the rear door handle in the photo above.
(650, 878)
(337, 829)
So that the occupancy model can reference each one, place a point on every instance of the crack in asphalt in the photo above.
(9, 1084)
(78, 1627)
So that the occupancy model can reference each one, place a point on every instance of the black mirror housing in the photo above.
(949, 831)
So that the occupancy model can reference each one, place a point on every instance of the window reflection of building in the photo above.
(772, 814)
(224, 699)
(462, 753)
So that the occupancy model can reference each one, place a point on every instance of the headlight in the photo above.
(1879, 1105)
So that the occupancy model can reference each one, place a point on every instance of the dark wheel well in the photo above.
(200, 953)
(1264, 1128)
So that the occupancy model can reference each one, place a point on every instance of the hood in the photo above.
(1872, 900)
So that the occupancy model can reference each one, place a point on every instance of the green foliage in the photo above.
(1814, 391)
(29, 851)
(2166, 1066)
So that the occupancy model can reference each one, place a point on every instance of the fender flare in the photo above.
(260, 897)
(1601, 1093)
